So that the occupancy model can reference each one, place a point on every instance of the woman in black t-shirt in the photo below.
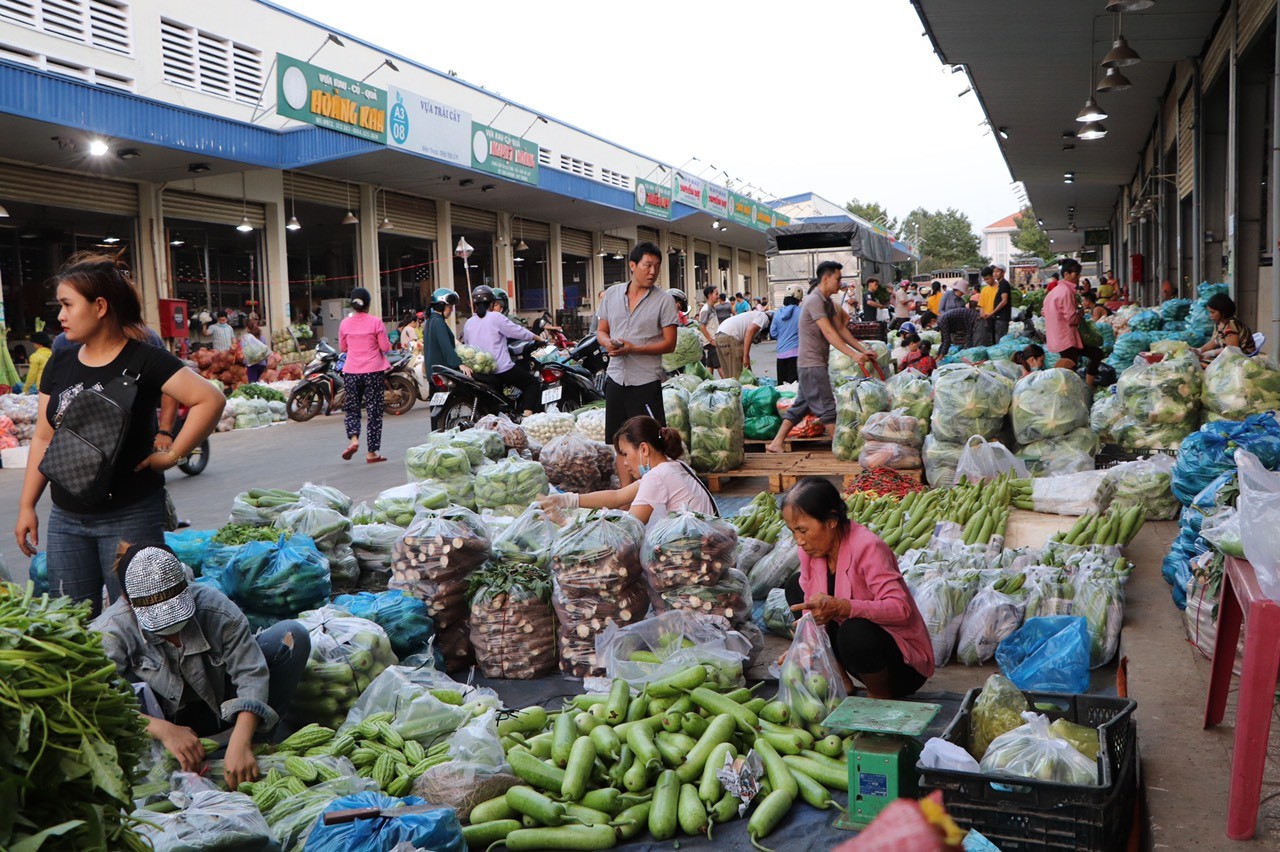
(101, 315)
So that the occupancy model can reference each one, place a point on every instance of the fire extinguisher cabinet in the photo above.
(173, 318)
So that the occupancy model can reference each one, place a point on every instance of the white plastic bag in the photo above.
(476, 771)
(810, 680)
(983, 461)
(669, 636)
(1259, 508)
(1073, 494)
(940, 754)
(988, 620)
(1034, 751)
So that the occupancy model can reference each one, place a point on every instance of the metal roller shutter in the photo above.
(469, 219)
(701, 246)
(525, 229)
(318, 190)
(59, 189)
(1170, 120)
(615, 245)
(1215, 57)
(575, 242)
(724, 253)
(1252, 19)
(744, 262)
(647, 235)
(678, 241)
(409, 215)
(206, 208)
(1186, 146)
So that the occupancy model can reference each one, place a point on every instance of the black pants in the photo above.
(1093, 353)
(787, 370)
(864, 647)
(529, 385)
(622, 402)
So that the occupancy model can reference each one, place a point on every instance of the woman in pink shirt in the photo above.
(849, 581)
(1062, 316)
(364, 338)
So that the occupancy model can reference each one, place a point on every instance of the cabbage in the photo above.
(1146, 321)
(716, 426)
(1167, 391)
(968, 401)
(685, 381)
(1004, 367)
(912, 392)
(688, 349)
(1069, 453)
(1134, 435)
(844, 367)
(1047, 404)
(1107, 411)
(760, 408)
(873, 396)
(940, 460)
(477, 359)
(675, 404)
(1236, 385)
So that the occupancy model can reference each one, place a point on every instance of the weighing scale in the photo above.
(882, 760)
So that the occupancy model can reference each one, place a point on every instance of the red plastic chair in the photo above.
(1242, 601)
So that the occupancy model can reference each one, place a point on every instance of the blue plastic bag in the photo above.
(280, 578)
(403, 616)
(39, 573)
(1050, 653)
(190, 546)
(436, 829)
(1208, 453)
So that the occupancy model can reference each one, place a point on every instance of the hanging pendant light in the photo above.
(1129, 5)
(1092, 112)
(522, 245)
(1114, 81)
(245, 225)
(1120, 55)
(385, 224)
(350, 218)
(293, 223)
(1092, 130)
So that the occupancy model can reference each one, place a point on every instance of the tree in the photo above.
(873, 212)
(945, 238)
(1029, 239)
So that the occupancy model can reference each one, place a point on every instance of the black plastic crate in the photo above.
(1025, 814)
(1112, 454)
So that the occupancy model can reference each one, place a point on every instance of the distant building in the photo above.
(997, 240)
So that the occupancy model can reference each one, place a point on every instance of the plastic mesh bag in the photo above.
(570, 463)
(984, 461)
(716, 426)
(810, 681)
(678, 639)
(1033, 751)
(347, 653)
(688, 549)
(1048, 403)
(512, 481)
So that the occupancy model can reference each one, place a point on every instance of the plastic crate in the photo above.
(1025, 814)
(1113, 454)
(869, 331)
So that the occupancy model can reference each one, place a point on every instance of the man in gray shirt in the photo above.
(822, 326)
(637, 327)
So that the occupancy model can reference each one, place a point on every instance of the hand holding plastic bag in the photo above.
(810, 680)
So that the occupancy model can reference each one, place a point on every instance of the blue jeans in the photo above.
(82, 548)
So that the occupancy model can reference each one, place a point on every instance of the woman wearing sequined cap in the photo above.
(193, 659)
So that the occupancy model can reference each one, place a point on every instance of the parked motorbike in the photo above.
(322, 387)
(198, 459)
(459, 400)
(592, 358)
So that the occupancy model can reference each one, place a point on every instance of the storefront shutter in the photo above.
(1170, 129)
(409, 215)
(1252, 19)
(318, 190)
(207, 208)
(744, 262)
(615, 245)
(1186, 146)
(525, 229)
(724, 253)
(575, 242)
(647, 235)
(1215, 57)
(470, 219)
(678, 241)
(59, 189)
(701, 246)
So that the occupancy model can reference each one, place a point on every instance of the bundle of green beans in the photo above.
(982, 511)
(70, 732)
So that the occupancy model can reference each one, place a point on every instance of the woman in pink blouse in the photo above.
(364, 338)
(849, 582)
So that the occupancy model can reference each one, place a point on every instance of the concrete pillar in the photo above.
(597, 271)
(664, 243)
(150, 260)
(504, 271)
(367, 245)
(275, 270)
(444, 244)
(555, 271)
(735, 274)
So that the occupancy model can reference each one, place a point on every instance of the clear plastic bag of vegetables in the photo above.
(511, 481)
(873, 396)
(809, 678)
(1236, 385)
(428, 704)
(1033, 750)
(729, 598)
(942, 600)
(716, 426)
(778, 616)
(1147, 483)
(595, 553)
(402, 616)
(847, 441)
(991, 616)
(436, 460)
(326, 527)
(570, 463)
(997, 710)
(893, 427)
(476, 771)
(876, 455)
(1167, 391)
(1099, 598)
(675, 404)
(347, 653)
(373, 542)
(776, 567)
(261, 506)
(1069, 453)
(668, 643)
(1003, 367)
(477, 359)
(583, 614)
(513, 436)
(512, 626)
(1048, 403)
(545, 425)
(528, 538)
(688, 549)
(912, 392)
(591, 424)
(326, 495)
(1107, 411)
(984, 461)
(401, 504)
(967, 402)
(940, 461)
(440, 546)
(207, 819)
(688, 349)
(292, 818)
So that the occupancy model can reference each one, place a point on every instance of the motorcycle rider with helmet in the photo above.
(439, 349)
(490, 330)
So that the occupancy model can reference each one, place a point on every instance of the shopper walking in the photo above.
(786, 326)
(364, 338)
(253, 331)
(1062, 316)
(101, 316)
(637, 327)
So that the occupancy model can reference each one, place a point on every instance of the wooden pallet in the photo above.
(771, 466)
(792, 445)
(825, 464)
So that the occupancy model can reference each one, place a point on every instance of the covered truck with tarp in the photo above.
(864, 250)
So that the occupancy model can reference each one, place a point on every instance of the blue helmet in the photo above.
(444, 296)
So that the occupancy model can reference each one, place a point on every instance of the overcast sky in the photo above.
(845, 99)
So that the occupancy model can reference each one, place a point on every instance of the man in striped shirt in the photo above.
(224, 336)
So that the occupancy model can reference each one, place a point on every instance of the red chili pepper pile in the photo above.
(882, 480)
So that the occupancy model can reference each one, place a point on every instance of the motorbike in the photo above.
(592, 358)
(459, 400)
(322, 386)
(198, 459)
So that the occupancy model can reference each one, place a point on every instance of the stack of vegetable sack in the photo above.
(967, 401)
(675, 404)
(856, 401)
(445, 466)
(1049, 408)
(892, 440)
(716, 426)
(433, 560)
(595, 561)
(1161, 400)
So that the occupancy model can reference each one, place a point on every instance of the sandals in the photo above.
(375, 459)
(349, 452)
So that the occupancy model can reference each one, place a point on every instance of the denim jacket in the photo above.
(217, 646)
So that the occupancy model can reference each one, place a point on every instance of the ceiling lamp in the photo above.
(293, 224)
(97, 148)
(385, 224)
(522, 246)
(1114, 81)
(1092, 112)
(1092, 130)
(4, 214)
(1129, 5)
(245, 225)
(350, 218)
(1121, 54)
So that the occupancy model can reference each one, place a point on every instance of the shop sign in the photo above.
(318, 96)
(653, 199)
(716, 201)
(428, 128)
(690, 190)
(780, 221)
(503, 154)
(764, 217)
(1097, 236)
(741, 209)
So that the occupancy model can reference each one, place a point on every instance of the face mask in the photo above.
(644, 467)
(173, 630)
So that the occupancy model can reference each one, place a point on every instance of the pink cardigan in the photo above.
(1060, 309)
(868, 577)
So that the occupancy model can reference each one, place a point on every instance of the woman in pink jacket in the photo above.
(1062, 317)
(364, 338)
(849, 582)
